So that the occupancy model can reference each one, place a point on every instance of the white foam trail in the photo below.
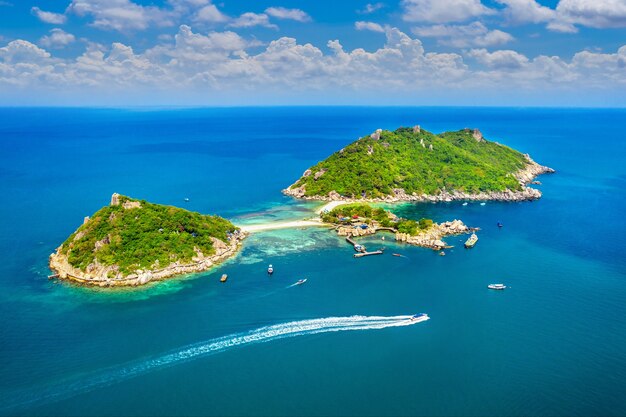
(260, 335)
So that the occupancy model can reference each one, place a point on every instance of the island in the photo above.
(412, 164)
(132, 242)
(357, 219)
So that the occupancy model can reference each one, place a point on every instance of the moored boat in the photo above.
(469, 243)
(496, 286)
(270, 270)
(224, 278)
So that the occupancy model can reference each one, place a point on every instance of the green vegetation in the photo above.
(364, 213)
(373, 168)
(135, 238)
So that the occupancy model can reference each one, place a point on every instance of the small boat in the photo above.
(500, 224)
(301, 281)
(270, 270)
(482, 204)
(396, 254)
(416, 317)
(464, 204)
(469, 243)
(382, 238)
(186, 199)
(496, 286)
(224, 278)
(442, 253)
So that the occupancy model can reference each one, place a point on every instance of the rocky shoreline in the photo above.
(524, 176)
(108, 276)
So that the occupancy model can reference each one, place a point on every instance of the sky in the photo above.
(287, 52)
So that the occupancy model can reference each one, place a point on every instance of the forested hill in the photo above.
(413, 161)
(129, 234)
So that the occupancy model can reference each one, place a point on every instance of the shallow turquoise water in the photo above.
(553, 344)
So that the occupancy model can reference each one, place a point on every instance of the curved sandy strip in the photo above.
(331, 205)
(251, 228)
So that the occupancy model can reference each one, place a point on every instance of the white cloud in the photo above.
(374, 27)
(57, 38)
(599, 14)
(126, 15)
(371, 8)
(49, 17)
(289, 14)
(526, 11)
(250, 19)
(211, 14)
(462, 36)
(439, 11)
(121, 15)
(503, 59)
(206, 65)
(593, 13)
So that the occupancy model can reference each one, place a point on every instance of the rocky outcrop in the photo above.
(531, 171)
(355, 231)
(109, 276)
(319, 173)
(376, 134)
(478, 135)
(432, 237)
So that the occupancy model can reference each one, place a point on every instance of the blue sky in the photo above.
(406, 52)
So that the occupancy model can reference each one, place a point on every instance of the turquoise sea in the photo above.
(554, 343)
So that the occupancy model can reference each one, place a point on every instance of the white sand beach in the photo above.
(251, 228)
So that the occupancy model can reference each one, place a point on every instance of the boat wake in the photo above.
(67, 389)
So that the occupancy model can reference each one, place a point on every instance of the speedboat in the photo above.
(396, 254)
(496, 286)
(417, 316)
(464, 204)
(186, 199)
(270, 270)
(301, 281)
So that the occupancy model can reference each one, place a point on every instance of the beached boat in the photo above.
(469, 243)
(496, 286)
(224, 278)
(270, 270)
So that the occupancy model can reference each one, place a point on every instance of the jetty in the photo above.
(376, 252)
(357, 247)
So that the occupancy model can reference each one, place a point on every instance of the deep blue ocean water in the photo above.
(552, 344)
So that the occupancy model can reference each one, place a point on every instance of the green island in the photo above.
(412, 164)
(132, 242)
(358, 219)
